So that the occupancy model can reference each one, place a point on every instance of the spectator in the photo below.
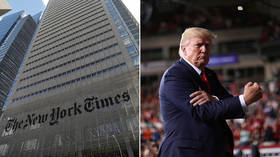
(255, 150)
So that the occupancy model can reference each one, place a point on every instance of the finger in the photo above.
(195, 93)
(249, 84)
(195, 104)
(200, 102)
(196, 98)
(256, 85)
(202, 95)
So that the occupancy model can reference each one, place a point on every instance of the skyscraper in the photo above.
(16, 31)
(37, 17)
(77, 91)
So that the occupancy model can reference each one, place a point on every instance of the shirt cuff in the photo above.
(217, 99)
(243, 104)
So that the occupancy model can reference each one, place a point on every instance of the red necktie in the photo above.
(205, 80)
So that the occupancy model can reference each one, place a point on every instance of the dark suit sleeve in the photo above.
(177, 88)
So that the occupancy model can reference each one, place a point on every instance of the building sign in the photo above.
(223, 60)
(56, 114)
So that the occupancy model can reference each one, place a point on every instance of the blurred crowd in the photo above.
(270, 31)
(262, 122)
(213, 19)
(261, 125)
(151, 126)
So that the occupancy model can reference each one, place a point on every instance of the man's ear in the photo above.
(183, 49)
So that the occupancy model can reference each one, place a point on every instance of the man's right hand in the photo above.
(252, 92)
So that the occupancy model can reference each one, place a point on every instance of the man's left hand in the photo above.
(200, 97)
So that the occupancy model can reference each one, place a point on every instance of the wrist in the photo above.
(214, 98)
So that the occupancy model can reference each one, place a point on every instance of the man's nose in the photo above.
(203, 48)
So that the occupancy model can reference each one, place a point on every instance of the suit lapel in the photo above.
(196, 77)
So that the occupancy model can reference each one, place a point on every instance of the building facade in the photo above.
(77, 91)
(16, 32)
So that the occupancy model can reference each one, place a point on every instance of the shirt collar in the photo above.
(194, 67)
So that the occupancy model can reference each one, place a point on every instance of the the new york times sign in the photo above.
(90, 104)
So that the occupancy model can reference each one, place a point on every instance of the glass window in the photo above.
(117, 127)
(126, 41)
(131, 50)
(123, 33)
(109, 128)
(93, 132)
(120, 27)
(30, 145)
(135, 121)
(101, 130)
(135, 60)
(4, 149)
(128, 124)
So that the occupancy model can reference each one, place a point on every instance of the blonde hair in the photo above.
(192, 32)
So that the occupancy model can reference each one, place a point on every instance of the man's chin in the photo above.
(204, 62)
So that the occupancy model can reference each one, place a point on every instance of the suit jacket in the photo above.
(199, 131)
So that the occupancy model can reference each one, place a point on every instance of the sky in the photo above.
(32, 7)
(134, 7)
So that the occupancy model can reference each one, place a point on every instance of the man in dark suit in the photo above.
(194, 107)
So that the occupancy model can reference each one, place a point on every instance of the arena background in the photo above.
(247, 49)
